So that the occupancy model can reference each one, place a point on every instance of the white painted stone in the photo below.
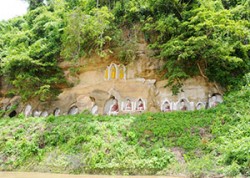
(140, 105)
(57, 112)
(200, 105)
(114, 107)
(73, 110)
(94, 110)
(28, 110)
(44, 114)
(192, 106)
(140, 80)
(37, 113)
(166, 106)
(183, 103)
(214, 100)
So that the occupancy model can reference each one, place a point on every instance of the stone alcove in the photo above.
(44, 114)
(114, 71)
(166, 106)
(28, 110)
(107, 105)
(94, 110)
(183, 105)
(73, 110)
(128, 105)
(140, 105)
(200, 105)
(56, 112)
(214, 100)
(36, 113)
(12, 114)
(112, 106)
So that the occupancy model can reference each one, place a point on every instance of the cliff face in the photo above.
(99, 82)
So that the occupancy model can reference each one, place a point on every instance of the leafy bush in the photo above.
(127, 53)
(86, 32)
(201, 38)
(214, 141)
(29, 53)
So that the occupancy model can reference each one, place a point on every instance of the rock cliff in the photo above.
(97, 82)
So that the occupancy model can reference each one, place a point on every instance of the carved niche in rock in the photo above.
(140, 105)
(73, 110)
(56, 112)
(200, 105)
(128, 105)
(115, 72)
(44, 114)
(12, 114)
(85, 103)
(108, 105)
(122, 72)
(183, 105)
(37, 113)
(28, 111)
(215, 100)
(114, 108)
(94, 110)
(166, 106)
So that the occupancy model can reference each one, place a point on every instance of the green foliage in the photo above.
(214, 142)
(199, 167)
(204, 39)
(33, 4)
(127, 52)
(232, 134)
(29, 52)
(98, 142)
(86, 32)
(207, 38)
(153, 129)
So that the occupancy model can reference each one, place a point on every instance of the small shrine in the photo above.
(114, 71)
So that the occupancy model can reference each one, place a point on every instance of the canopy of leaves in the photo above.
(29, 52)
(194, 37)
(208, 38)
(86, 31)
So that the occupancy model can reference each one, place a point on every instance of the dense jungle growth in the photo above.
(194, 37)
(209, 38)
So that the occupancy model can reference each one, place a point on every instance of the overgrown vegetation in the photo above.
(194, 37)
(29, 51)
(201, 143)
(208, 38)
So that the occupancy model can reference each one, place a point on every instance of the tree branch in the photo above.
(201, 72)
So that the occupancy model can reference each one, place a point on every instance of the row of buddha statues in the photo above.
(115, 107)
(114, 71)
(57, 112)
(184, 104)
(124, 106)
(139, 105)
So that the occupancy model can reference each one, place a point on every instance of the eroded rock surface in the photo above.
(98, 85)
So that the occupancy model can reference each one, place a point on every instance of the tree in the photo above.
(86, 32)
(29, 53)
(33, 4)
(209, 41)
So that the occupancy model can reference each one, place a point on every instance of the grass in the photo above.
(199, 143)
